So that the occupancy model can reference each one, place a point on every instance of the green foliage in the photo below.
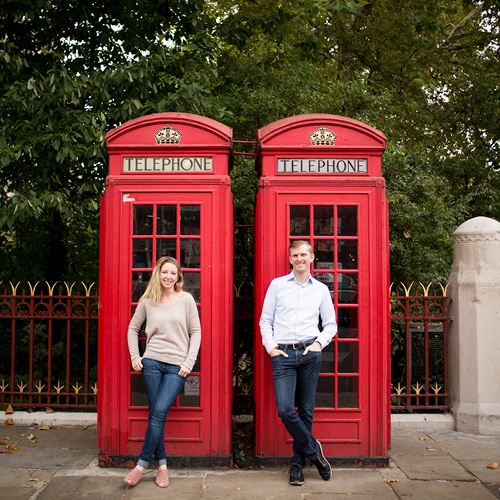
(423, 215)
(425, 73)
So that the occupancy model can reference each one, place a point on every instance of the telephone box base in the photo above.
(335, 462)
(129, 461)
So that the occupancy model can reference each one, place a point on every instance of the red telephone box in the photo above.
(321, 181)
(168, 193)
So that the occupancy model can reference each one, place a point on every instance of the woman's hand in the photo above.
(183, 371)
(137, 364)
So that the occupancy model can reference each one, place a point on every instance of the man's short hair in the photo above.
(298, 243)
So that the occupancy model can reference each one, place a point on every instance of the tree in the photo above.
(425, 73)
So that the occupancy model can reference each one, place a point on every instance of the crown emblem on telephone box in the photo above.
(168, 135)
(323, 137)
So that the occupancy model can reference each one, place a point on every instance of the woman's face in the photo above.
(168, 276)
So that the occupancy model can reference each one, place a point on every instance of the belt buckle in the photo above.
(298, 345)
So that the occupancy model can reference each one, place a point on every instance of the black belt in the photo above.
(296, 345)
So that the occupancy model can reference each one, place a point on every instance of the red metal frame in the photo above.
(52, 332)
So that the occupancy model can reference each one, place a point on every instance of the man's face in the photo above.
(301, 259)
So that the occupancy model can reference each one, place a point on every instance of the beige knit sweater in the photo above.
(173, 333)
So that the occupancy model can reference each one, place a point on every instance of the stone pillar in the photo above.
(474, 333)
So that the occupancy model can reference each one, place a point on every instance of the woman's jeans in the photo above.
(295, 381)
(163, 385)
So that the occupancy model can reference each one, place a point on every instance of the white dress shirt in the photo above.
(291, 313)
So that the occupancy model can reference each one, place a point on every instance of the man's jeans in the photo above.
(163, 385)
(295, 381)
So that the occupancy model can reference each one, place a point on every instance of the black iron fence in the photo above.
(48, 358)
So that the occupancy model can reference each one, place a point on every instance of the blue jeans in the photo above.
(295, 381)
(163, 385)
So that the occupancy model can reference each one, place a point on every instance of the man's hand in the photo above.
(278, 352)
(314, 347)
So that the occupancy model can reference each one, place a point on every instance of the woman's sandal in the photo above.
(162, 478)
(133, 477)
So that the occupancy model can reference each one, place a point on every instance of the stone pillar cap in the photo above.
(479, 226)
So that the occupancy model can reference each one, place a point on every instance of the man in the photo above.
(289, 325)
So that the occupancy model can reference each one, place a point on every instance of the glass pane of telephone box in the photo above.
(190, 219)
(166, 220)
(139, 283)
(347, 288)
(165, 247)
(143, 219)
(323, 254)
(324, 391)
(190, 394)
(299, 220)
(323, 220)
(347, 322)
(142, 252)
(348, 392)
(192, 284)
(190, 253)
(348, 357)
(347, 221)
(347, 254)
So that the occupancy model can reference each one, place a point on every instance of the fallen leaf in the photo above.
(30, 437)
(9, 410)
(392, 480)
(492, 465)
(422, 438)
(49, 410)
(9, 421)
(44, 428)
(84, 427)
(33, 424)
(15, 448)
(33, 479)
(238, 489)
(429, 447)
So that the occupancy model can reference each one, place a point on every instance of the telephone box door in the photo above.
(178, 226)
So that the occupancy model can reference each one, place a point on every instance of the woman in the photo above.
(173, 339)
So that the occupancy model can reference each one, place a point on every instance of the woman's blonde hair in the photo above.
(154, 290)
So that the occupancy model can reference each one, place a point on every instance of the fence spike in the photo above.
(69, 289)
(32, 287)
(444, 289)
(14, 288)
(87, 290)
(426, 289)
(407, 290)
(51, 288)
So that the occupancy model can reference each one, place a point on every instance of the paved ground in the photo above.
(62, 465)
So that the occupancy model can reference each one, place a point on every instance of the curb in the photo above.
(402, 421)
